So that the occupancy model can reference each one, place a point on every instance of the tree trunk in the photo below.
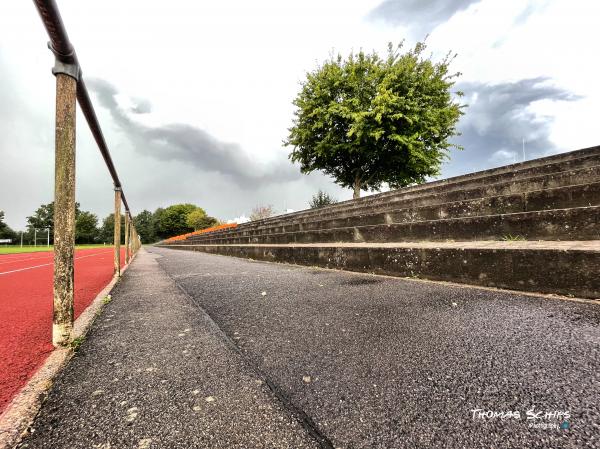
(356, 188)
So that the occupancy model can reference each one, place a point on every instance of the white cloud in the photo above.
(232, 68)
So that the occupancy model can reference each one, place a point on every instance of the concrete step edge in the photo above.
(392, 209)
(518, 167)
(395, 208)
(593, 210)
(399, 194)
(559, 245)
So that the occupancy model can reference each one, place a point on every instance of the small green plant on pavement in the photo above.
(76, 343)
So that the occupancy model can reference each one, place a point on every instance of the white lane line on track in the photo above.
(30, 253)
(5, 258)
(51, 263)
(23, 260)
(51, 255)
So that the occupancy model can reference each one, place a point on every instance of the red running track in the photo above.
(26, 309)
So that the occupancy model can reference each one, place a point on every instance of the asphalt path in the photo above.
(398, 363)
(156, 372)
(303, 357)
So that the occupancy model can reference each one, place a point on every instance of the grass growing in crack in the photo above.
(513, 238)
(76, 343)
(107, 299)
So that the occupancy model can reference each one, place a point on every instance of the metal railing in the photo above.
(71, 89)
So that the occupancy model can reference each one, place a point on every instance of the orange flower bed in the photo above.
(201, 231)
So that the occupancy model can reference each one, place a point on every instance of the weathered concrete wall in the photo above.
(566, 272)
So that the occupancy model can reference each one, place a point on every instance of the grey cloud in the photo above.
(26, 147)
(421, 16)
(498, 119)
(531, 8)
(142, 106)
(192, 145)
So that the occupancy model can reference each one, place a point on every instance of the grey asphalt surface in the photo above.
(396, 363)
(304, 357)
(155, 372)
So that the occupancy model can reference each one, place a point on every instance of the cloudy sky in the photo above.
(195, 97)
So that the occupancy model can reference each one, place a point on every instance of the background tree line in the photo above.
(151, 226)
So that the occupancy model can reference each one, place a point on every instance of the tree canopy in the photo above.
(86, 227)
(173, 220)
(367, 120)
(106, 233)
(321, 199)
(163, 223)
(43, 218)
(198, 219)
(144, 225)
(5, 231)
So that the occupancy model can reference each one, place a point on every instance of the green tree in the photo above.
(173, 220)
(5, 231)
(86, 228)
(144, 224)
(197, 219)
(366, 120)
(321, 199)
(107, 230)
(43, 218)
(156, 216)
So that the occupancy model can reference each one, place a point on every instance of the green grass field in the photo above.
(15, 249)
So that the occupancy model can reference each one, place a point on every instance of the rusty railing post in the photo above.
(117, 240)
(64, 205)
(70, 87)
(127, 228)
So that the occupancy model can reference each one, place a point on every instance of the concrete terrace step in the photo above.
(545, 198)
(559, 163)
(560, 198)
(567, 268)
(580, 177)
(456, 192)
(558, 224)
